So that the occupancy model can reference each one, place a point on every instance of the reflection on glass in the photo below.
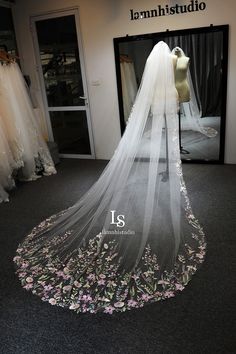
(70, 132)
(201, 127)
(59, 55)
(7, 33)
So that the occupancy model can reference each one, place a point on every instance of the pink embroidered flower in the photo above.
(16, 258)
(132, 303)
(179, 287)
(145, 297)
(158, 293)
(29, 280)
(52, 301)
(28, 286)
(101, 282)
(169, 294)
(102, 276)
(77, 284)
(19, 250)
(109, 309)
(22, 275)
(24, 265)
(67, 288)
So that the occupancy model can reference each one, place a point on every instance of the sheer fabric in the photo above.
(132, 238)
(129, 86)
(191, 111)
(26, 149)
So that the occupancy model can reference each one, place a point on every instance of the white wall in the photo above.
(101, 21)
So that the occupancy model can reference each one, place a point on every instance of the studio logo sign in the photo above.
(167, 10)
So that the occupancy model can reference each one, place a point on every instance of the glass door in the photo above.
(62, 76)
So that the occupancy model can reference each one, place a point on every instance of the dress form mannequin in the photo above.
(181, 70)
(181, 84)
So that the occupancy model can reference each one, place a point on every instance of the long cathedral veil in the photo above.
(132, 238)
(192, 110)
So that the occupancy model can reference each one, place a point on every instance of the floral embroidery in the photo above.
(91, 280)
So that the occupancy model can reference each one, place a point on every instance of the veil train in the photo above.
(132, 238)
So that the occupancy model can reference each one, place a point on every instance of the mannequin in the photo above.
(181, 84)
(181, 70)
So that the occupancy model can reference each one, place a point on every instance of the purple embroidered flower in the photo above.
(91, 276)
(62, 274)
(86, 298)
(101, 282)
(109, 309)
(48, 287)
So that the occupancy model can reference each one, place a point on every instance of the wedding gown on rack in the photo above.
(26, 146)
(132, 238)
(7, 165)
(129, 86)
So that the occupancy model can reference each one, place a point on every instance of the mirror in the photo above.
(202, 113)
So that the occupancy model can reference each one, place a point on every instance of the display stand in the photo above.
(182, 150)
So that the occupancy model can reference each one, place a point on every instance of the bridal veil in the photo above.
(132, 238)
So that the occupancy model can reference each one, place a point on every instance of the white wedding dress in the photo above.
(22, 140)
(132, 239)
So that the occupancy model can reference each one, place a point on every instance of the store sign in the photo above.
(167, 10)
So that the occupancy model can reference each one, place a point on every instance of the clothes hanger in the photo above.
(124, 58)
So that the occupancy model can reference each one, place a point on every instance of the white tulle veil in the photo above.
(132, 238)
